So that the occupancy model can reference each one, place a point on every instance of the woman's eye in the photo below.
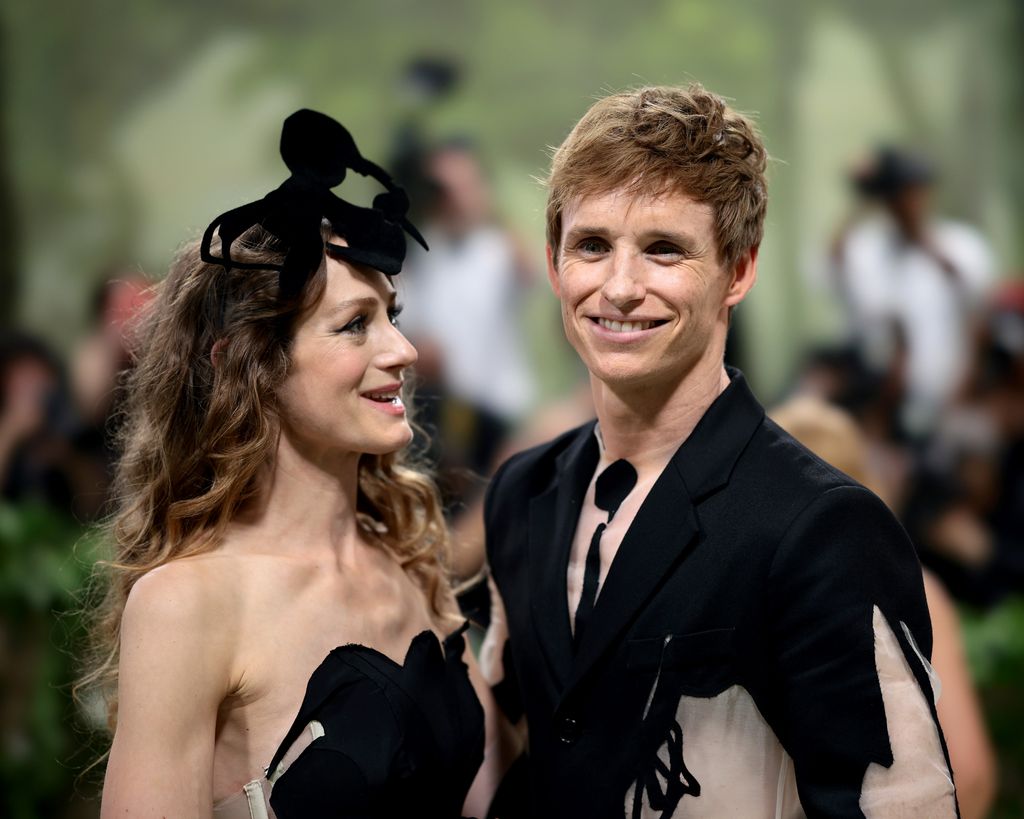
(393, 315)
(357, 325)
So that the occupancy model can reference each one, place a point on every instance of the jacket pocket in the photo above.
(699, 664)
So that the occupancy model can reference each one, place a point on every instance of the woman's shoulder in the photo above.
(180, 588)
(178, 632)
(189, 598)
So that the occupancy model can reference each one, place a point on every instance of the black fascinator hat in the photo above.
(319, 152)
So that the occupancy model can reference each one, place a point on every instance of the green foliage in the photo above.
(40, 580)
(995, 651)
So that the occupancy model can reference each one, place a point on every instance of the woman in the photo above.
(267, 521)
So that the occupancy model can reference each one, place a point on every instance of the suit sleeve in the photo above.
(847, 637)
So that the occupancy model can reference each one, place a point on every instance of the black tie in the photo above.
(611, 489)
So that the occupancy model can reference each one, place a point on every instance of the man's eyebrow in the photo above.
(583, 231)
(684, 239)
(656, 235)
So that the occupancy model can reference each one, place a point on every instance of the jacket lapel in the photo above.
(666, 530)
(662, 534)
(553, 517)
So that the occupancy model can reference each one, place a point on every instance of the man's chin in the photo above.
(629, 379)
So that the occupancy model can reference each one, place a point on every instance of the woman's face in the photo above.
(342, 393)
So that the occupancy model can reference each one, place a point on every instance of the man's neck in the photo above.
(644, 427)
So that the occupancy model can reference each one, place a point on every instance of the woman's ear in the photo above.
(217, 350)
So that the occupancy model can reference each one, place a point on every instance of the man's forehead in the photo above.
(661, 207)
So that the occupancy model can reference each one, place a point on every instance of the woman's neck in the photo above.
(306, 506)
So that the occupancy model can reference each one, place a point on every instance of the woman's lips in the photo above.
(387, 399)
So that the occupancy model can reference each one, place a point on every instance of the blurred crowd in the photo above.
(55, 416)
(931, 369)
(921, 396)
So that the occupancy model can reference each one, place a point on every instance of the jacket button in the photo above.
(569, 730)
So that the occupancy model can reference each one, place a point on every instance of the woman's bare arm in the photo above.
(175, 669)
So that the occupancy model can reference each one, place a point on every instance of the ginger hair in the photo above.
(666, 139)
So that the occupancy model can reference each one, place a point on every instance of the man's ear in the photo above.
(744, 274)
(217, 350)
(553, 271)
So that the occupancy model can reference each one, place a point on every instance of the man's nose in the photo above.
(624, 286)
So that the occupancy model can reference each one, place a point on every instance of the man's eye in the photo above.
(664, 250)
(590, 246)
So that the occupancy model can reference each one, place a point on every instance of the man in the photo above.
(914, 280)
(702, 618)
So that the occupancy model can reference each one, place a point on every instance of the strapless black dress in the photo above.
(392, 740)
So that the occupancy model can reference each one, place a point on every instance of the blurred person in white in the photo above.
(904, 273)
(834, 436)
(966, 510)
(464, 296)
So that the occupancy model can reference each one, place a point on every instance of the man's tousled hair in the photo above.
(666, 139)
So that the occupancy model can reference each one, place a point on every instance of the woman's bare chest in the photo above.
(281, 645)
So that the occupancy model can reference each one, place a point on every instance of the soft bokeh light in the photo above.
(124, 129)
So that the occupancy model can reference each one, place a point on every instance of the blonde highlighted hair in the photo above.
(195, 438)
(665, 139)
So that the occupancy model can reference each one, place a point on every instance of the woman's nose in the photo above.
(399, 352)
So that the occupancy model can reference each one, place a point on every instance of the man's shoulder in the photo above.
(795, 461)
(533, 469)
(810, 504)
(518, 480)
(778, 467)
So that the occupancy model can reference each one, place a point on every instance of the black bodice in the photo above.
(399, 740)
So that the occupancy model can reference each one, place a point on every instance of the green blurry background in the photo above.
(127, 126)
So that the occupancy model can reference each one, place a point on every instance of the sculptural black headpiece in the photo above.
(319, 151)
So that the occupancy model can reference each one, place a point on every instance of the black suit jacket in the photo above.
(751, 562)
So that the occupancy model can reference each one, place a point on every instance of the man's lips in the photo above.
(633, 325)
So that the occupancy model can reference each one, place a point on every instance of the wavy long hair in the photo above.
(195, 439)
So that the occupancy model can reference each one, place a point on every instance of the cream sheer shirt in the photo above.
(730, 748)
(648, 471)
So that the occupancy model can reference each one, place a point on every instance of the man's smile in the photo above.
(624, 330)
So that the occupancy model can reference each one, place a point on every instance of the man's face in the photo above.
(644, 297)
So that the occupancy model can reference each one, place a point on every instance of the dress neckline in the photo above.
(443, 643)
(428, 636)
(425, 634)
